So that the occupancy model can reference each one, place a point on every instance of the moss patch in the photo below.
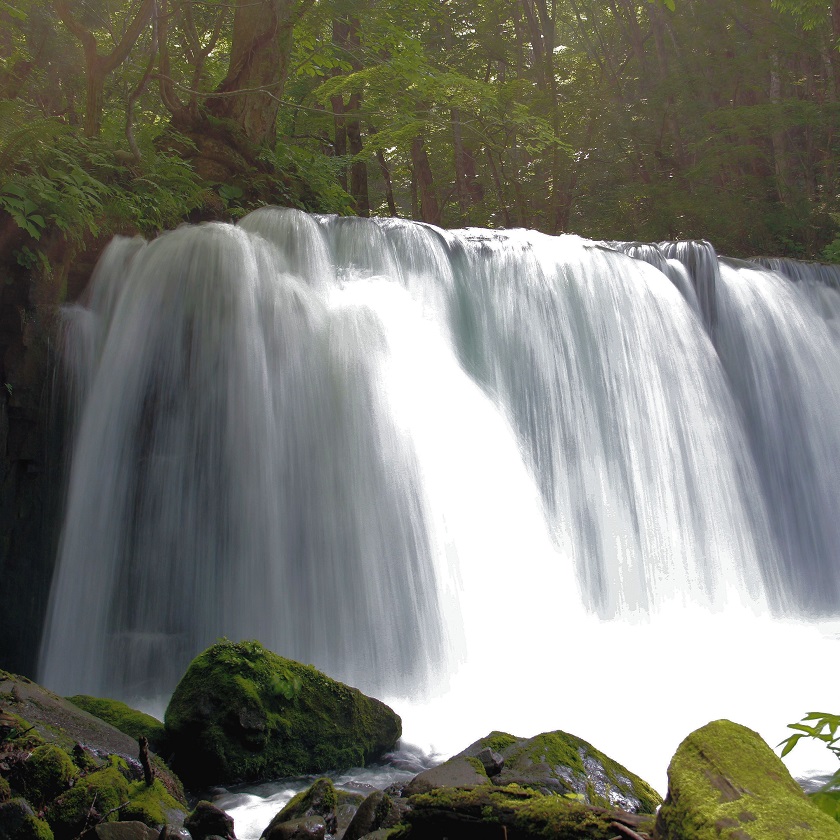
(46, 774)
(94, 798)
(123, 717)
(481, 811)
(243, 713)
(725, 783)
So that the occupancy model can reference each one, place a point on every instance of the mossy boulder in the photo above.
(19, 822)
(31, 716)
(553, 762)
(334, 808)
(488, 812)
(377, 812)
(206, 820)
(725, 783)
(242, 713)
(123, 717)
(108, 795)
(46, 773)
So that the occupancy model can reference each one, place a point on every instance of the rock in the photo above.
(45, 774)
(488, 812)
(334, 808)
(19, 822)
(123, 717)
(206, 820)
(725, 783)
(492, 762)
(553, 762)
(377, 812)
(51, 719)
(242, 713)
(129, 830)
(304, 828)
(108, 795)
(557, 762)
(458, 771)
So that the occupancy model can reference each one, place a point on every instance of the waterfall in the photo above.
(401, 453)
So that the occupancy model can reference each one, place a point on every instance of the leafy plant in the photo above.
(825, 727)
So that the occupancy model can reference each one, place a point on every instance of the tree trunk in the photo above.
(250, 94)
(429, 207)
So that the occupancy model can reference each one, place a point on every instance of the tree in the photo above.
(99, 65)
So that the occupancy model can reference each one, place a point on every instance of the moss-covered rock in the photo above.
(31, 716)
(725, 783)
(488, 812)
(206, 820)
(95, 798)
(243, 713)
(46, 774)
(123, 717)
(335, 808)
(108, 795)
(553, 762)
(378, 811)
(19, 822)
(5, 790)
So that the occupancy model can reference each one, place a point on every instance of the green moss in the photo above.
(123, 717)
(573, 765)
(151, 805)
(725, 783)
(242, 713)
(34, 828)
(528, 812)
(498, 741)
(5, 790)
(48, 772)
(476, 764)
(94, 798)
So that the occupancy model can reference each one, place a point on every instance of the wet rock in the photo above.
(725, 783)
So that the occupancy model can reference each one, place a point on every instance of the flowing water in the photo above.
(499, 479)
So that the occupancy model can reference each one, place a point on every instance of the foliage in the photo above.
(824, 727)
(638, 119)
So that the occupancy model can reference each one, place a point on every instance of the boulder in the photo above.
(378, 811)
(303, 828)
(128, 830)
(334, 808)
(243, 713)
(131, 721)
(108, 795)
(19, 822)
(553, 762)
(45, 773)
(489, 812)
(206, 820)
(34, 716)
(725, 783)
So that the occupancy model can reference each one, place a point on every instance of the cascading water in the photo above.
(492, 476)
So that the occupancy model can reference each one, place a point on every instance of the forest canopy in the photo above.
(714, 119)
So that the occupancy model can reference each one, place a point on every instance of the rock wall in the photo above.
(31, 430)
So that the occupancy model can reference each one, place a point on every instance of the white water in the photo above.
(503, 480)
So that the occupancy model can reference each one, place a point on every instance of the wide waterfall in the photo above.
(506, 479)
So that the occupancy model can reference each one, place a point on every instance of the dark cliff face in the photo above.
(31, 434)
